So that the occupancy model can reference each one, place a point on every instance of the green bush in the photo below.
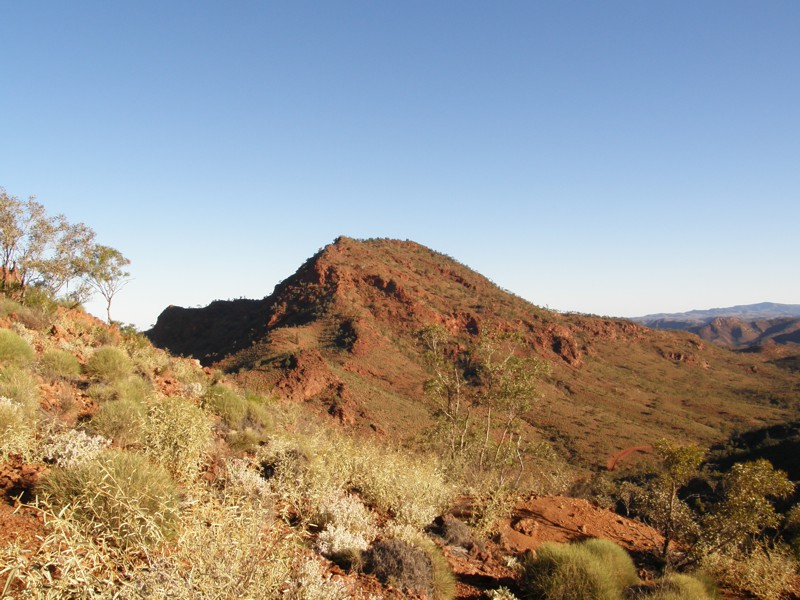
(14, 350)
(401, 564)
(227, 403)
(567, 572)
(21, 387)
(680, 587)
(615, 560)
(245, 416)
(108, 364)
(443, 580)
(177, 435)
(17, 432)
(132, 388)
(120, 420)
(120, 497)
(57, 364)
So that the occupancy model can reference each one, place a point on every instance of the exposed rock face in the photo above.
(340, 336)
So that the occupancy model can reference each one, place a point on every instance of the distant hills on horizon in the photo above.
(761, 310)
(744, 325)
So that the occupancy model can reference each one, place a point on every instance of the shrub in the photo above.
(132, 388)
(679, 587)
(191, 375)
(309, 581)
(226, 549)
(766, 573)
(84, 567)
(454, 531)
(413, 489)
(57, 364)
(108, 364)
(147, 359)
(119, 496)
(21, 387)
(615, 560)
(341, 545)
(348, 527)
(237, 412)
(71, 448)
(793, 529)
(492, 506)
(14, 350)
(346, 510)
(401, 564)
(17, 433)
(242, 480)
(567, 572)
(177, 434)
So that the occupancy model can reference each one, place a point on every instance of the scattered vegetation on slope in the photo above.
(148, 476)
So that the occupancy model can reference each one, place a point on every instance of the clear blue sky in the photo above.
(617, 158)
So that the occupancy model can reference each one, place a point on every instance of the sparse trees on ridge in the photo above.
(106, 274)
(54, 255)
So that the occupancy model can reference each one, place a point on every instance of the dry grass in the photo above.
(413, 489)
(17, 431)
(766, 573)
(177, 435)
(677, 587)
(121, 421)
(119, 498)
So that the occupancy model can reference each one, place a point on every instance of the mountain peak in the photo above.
(341, 335)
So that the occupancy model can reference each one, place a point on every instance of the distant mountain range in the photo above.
(736, 326)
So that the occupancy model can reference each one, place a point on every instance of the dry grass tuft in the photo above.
(119, 497)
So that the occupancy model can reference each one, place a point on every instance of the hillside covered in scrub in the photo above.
(342, 336)
(387, 424)
(127, 472)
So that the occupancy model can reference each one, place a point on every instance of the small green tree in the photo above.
(105, 272)
(509, 388)
(491, 379)
(745, 509)
(447, 388)
(660, 503)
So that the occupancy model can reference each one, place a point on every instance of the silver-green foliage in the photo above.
(177, 434)
(119, 496)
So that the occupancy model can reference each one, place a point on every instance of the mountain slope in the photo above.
(340, 336)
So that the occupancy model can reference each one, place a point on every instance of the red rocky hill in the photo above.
(339, 335)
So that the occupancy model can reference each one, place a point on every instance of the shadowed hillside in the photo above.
(340, 335)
